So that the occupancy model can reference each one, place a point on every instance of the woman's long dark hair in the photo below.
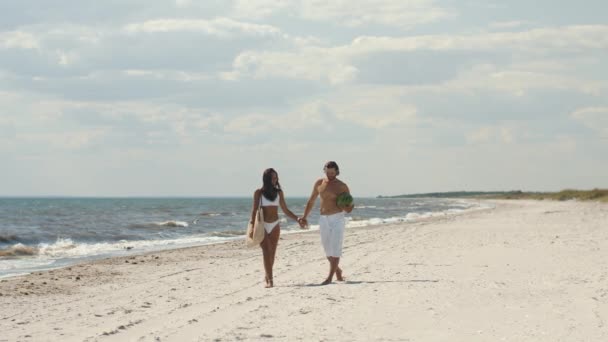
(268, 190)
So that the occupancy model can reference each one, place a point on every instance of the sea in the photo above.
(45, 233)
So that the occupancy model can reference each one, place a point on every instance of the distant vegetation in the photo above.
(453, 194)
(564, 195)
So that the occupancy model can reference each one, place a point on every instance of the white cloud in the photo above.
(147, 86)
(372, 106)
(64, 140)
(67, 58)
(220, 27)
(369, 108)
(396, 13)
(335, 65)
(405, 14)
(300, 117)
(503, 134)
(517, 82)
(507, 24)
(18, 40)
(47, 48)
(168, 75)
(307, 64)
(44, 124)
(183, 3)
(568, 38)
(250, 124)
(60, 36)
(311, 113)
(259, 9)
(596, 118)
(366, 106)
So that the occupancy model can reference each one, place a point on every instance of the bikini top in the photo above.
(268, 203)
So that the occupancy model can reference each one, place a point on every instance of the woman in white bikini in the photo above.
(270, 197)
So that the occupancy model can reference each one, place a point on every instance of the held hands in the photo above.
(303, 222)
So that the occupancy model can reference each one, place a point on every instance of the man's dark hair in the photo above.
(332, 165)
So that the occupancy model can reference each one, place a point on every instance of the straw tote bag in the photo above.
(257, 227)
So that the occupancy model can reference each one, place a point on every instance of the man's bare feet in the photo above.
(269, 283)
(339, 276)
(326, 282)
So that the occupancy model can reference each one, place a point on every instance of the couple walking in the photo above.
(331, 221)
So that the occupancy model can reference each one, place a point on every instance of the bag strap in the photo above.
(260, 206)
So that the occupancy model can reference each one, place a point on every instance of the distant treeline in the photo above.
(568, 194)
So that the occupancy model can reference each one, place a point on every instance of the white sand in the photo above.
(525, 271)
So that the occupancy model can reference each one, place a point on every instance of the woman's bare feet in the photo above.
(326, 282)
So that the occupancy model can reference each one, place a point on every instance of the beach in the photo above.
(520, 271)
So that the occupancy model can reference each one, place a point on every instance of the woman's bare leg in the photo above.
(267, 260)
(274, 242)
(269, 248)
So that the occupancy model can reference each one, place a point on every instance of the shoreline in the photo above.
(523, 270)
(129, 251)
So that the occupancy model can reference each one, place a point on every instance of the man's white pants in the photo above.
(332, 233)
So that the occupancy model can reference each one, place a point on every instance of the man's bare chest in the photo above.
(330, 190)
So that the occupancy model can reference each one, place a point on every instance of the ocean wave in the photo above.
(66, 248)
(8, 238)
(214, 214)
(159, 225)
(410, 217)
(60, 247)
(18, 250)
(210, 214)
(172, 224)
(358, 221)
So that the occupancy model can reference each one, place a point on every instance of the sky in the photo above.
(197, 98)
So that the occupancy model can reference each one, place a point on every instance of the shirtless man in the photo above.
(331, 221)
